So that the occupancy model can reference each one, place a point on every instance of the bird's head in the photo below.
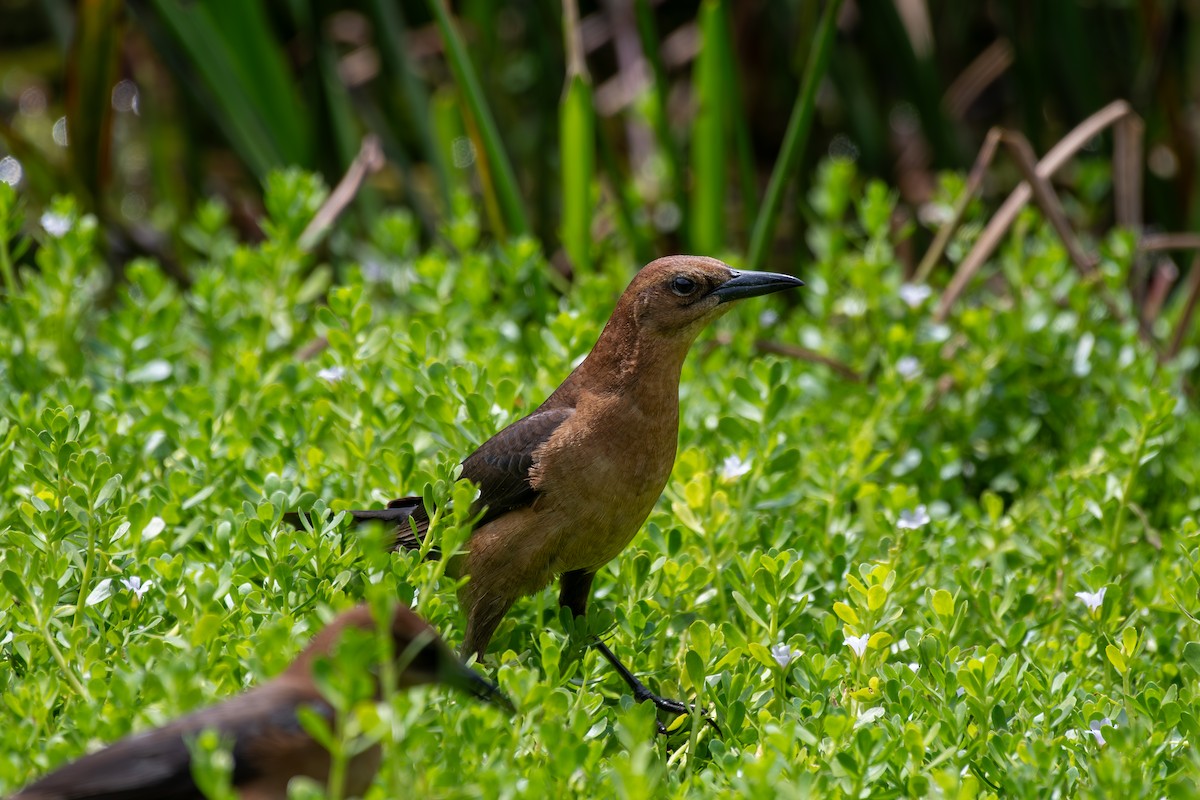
(677, 296)
(421, 656)
(424, 658)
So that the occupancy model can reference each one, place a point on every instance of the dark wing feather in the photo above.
(501, 465)
(500, 468)
(409, 516)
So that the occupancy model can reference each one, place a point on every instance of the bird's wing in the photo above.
(501, 466)
(157, 764)
(410, 517)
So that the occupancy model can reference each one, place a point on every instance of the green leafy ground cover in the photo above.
(849, 642)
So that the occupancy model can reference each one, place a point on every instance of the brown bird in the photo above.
(269, 745)
(564, 490)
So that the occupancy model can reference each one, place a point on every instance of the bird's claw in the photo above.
(673, 707)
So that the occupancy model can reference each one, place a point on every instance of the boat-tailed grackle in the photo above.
(564, 490)
(269, 745)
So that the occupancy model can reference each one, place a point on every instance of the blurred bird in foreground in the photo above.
(564, 490)
(269, 746)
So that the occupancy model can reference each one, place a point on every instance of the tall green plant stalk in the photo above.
(503, 179)
(706, 217)
(739, 122)
(661, 120)
(242, 71)
(392, 39)
(577, 143)
(799, 125)
(89, 87)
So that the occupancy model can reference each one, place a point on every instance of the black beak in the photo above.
(470, 681)
(752, 284)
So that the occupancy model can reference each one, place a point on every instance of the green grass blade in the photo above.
(577, 145)
(500, 170)
(263, 68)
(391, 37)
(706, 218)
(242, 72)
(338, 120)
(660, 88)
(624, 196)
(743, 150)
(447, 128)
(795, 138)
(577, 126)
(893, 50)
(93, 70)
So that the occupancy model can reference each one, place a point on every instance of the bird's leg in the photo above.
(575, 588)
(483, 616)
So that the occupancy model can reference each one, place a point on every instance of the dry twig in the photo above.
(1000, 222)
(368, 161)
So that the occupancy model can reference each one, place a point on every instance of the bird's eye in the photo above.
(683, 286)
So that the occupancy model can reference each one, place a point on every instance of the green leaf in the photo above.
(748, 609)
(102, 591)
(943, 603)
(876, 597)
(1115, 657)
(152, 371)
(762, 655)
(846, 613)
(16, 587)
(1191, 654)
(107, 491)
(993, 506)
(1129, 640)
(695, 668)
(880, 640)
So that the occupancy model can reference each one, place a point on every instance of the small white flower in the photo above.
(10, 171)
(911, 520)
(914, 666)
(1094, 729)
(136, 586)
(784, 655)
(56, 224)
(959, 692)
(1093, 600)
(914, 294)
(733, 468)
(59, 132)
(858, 644)
(908, 366)
(332, 374)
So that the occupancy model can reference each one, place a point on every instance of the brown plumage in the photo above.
(269, 745)
(566, 488)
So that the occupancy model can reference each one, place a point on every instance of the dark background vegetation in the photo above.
(207, 97)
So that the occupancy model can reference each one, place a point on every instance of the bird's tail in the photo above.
(406, 514)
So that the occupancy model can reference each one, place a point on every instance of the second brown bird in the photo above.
(269, 745)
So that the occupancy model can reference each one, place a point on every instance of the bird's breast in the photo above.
(599, 481)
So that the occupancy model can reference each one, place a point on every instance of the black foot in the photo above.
(641, 694)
